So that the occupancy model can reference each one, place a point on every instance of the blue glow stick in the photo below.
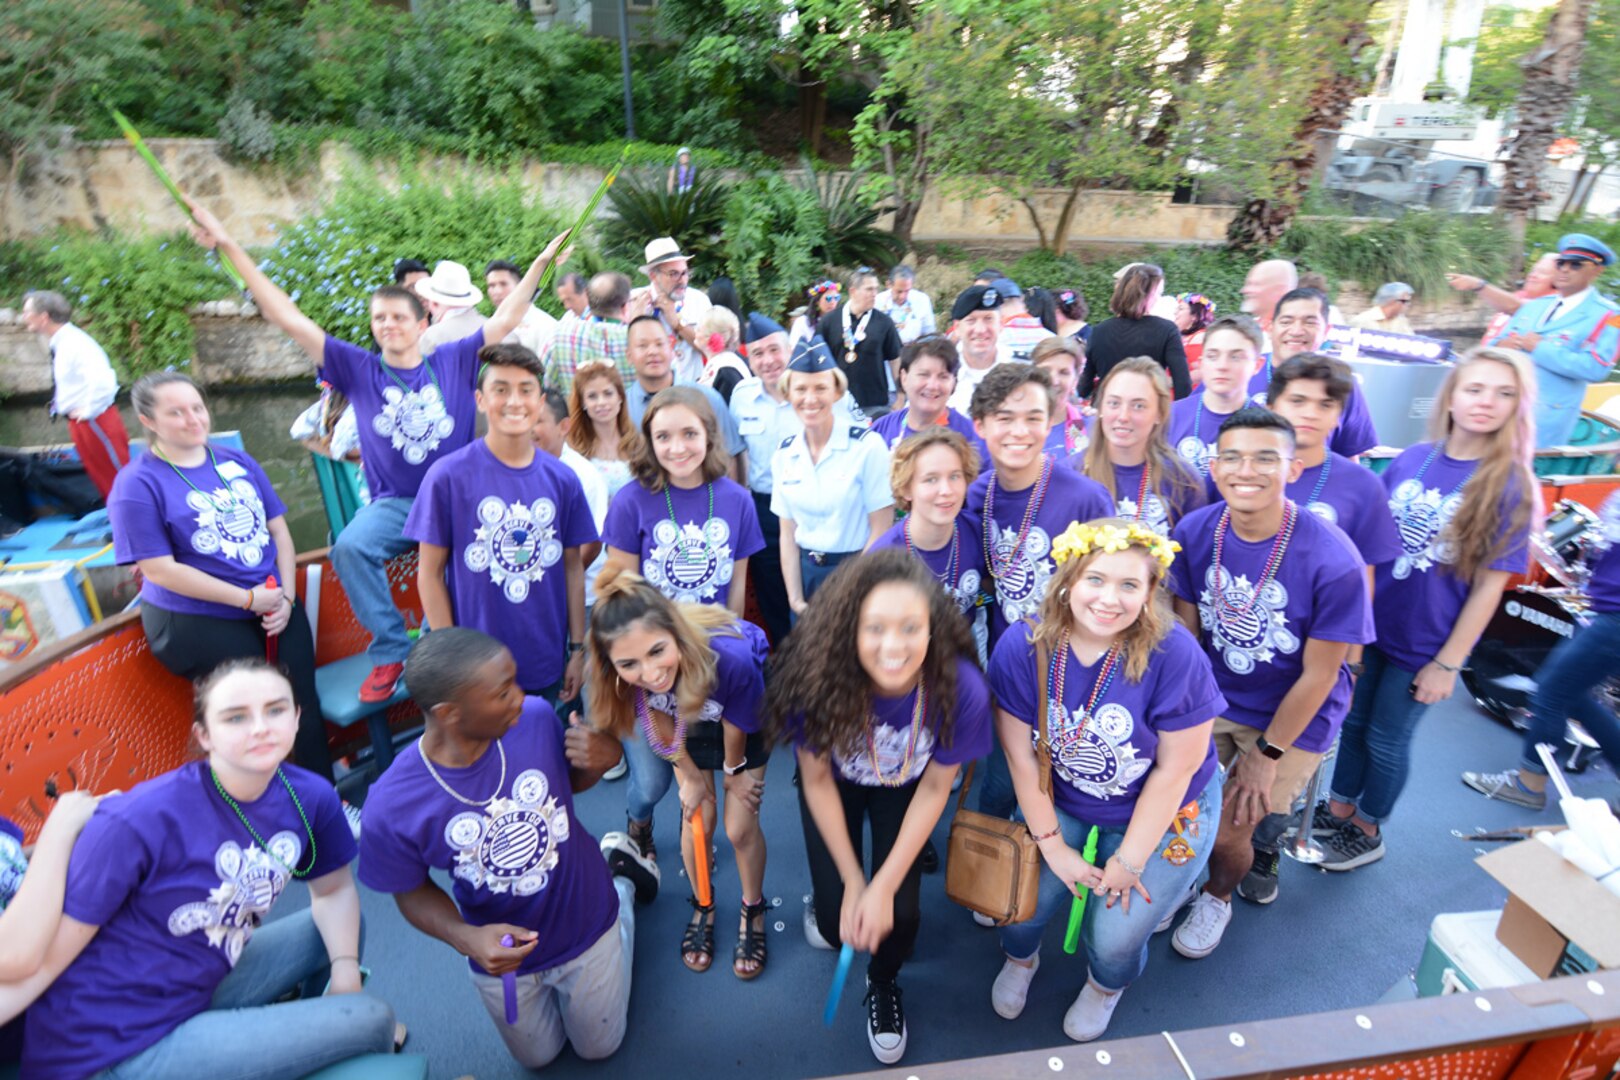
(509, 985)
(846, 956)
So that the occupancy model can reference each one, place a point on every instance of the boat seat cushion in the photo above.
(338, 685)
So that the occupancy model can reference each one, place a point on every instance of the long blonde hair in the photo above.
(1506, 472)
(624, 598)
(1139, 639)
(1177, 484)
(582, 435)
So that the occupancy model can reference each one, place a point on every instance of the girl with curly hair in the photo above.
(880, 693)
(1128, 751)
(681, 686)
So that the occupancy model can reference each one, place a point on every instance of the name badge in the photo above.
(231, 470)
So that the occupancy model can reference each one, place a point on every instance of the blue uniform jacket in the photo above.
(1578, 347)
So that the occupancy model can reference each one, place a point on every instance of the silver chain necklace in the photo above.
(452, 791)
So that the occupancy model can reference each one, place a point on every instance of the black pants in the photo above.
(765, 571)
(886, 808)
(193, 645)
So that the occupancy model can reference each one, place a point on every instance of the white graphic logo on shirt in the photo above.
(12, 868)
(1195, 452)
(515, 543)
(1421, 514)
(666, 704)
(1325, 511)
(1021, 586)
(250, 880)
(689, 564)
(230, 523)
(1245, 634)
(511, 845)
(414, 422)
(1156, 516)
(1100, 760)
(890, 744)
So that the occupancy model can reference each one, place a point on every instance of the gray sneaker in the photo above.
(1506, 787)
(1323, 821)
(1259, 885)
(1350, 847)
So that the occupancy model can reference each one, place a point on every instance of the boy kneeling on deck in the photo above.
(487, 795)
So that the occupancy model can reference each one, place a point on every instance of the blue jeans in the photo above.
(997, 796)
(243, 1037)
(1116, 941)
(1564, 689)
(1375, 744)
(650, 777)
(360, 558)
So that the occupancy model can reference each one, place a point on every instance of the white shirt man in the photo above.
(571, 295)
(679, 307)
(907, 306)
(538, 327)
(452, 301)
(976, 327)
(85, 386)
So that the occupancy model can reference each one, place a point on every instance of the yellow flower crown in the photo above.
(1083, 538)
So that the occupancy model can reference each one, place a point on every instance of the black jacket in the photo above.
(1116, 339)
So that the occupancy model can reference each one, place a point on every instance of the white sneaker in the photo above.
(983, 920)
(1011, 988)
(619, 771)
(1088, 1017)
(1175, 909)
(1201, 933)
(351, 814)
(812, 932)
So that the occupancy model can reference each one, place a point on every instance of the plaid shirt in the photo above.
(583, 341)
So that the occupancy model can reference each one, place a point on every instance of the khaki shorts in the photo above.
(1294, 770)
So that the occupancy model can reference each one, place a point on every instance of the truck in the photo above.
(1387, 154)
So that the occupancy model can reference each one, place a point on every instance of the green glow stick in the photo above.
(578, 226)
(162, 174)
(1077, 910)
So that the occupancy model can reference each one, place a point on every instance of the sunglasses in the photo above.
(1571, 264)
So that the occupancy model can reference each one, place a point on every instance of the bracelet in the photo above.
(336, 960)
(1056, 829)
(249, 605)
(1480, 287)
(1134, 871)
(1445, 667)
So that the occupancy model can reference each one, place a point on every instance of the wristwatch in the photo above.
(734, 770)
(575, 646)
(1275, 753)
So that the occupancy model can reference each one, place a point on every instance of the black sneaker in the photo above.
(929, 859)
(885, 1020)
(1323, 821)
(1350, 847)
(1259, 885)
(625, 859)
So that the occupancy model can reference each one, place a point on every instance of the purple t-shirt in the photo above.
(1098, 771)
(13, 864)
(1352, 497)
(962, 575)
(1158, 509)
(1256, 643)
(892, 426)
(177, 886)
(506, 530)
(739, 680)
(1416, 598)
(1021, 585)
(1604, 588)
(890, 738)
(1354, 434)
(523, 858)
(408, 418)
(1193, 430)
(1070, 437)
(217, 523)
(689, 555)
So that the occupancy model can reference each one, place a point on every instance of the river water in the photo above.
(262, 416)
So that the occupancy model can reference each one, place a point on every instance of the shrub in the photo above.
(772, 229)
(643, 208)
(1419, 248)
(245, 133)
(851, 236)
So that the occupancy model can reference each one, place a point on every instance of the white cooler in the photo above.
(1462, 954)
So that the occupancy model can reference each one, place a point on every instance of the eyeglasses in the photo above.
(671, 272)
(1266, 462)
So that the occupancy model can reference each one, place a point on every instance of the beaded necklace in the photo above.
(308, 832)
(231, 498)
(1142, 492)
(1036, 498)
(918, 711)
(1321, 481)
(1057, 676)
(950, 566)
(1434, 453)
(1279, 547)
(432, 378)
(452, 792)
(671, 751)
(669, 502)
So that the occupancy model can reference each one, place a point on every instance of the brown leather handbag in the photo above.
(992, 865)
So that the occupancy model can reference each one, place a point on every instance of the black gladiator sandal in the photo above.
(750, 943)
(699, 936)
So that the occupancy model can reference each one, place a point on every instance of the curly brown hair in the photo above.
(818, 686)
(903, 465)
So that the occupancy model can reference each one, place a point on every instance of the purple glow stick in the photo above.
(509, 985)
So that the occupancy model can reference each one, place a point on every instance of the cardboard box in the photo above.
(1557, 920)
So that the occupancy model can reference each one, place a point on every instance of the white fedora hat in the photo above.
(451, 285)
(661, 250)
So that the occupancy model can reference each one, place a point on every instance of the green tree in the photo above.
(1506, 36)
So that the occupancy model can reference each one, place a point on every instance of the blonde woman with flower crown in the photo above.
(1132, 701)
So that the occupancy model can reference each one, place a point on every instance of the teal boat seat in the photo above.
(338, 686)
(339, 482)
